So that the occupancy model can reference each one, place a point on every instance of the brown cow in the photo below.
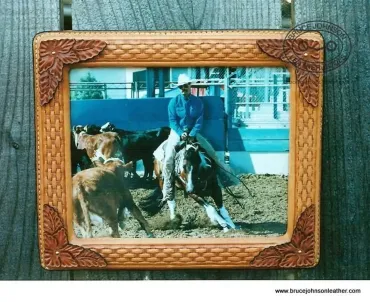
(106, 145)
(102, 191)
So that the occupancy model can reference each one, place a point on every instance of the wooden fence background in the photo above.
(345, 248)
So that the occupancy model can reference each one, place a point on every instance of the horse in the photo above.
(196, 174)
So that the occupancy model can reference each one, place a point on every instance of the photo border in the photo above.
(56, 52)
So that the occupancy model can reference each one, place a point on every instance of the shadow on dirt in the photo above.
(141, 183)
(265, 228)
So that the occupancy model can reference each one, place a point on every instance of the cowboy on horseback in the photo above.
(185, 113)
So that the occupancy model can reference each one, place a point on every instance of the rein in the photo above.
(178, 170)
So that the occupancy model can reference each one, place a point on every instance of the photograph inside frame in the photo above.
(179, 152)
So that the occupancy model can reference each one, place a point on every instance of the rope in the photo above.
(244, 185)
(228, 190)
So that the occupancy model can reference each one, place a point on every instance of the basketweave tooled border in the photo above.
(55, 52)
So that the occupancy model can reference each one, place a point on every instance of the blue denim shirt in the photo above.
(184, 114)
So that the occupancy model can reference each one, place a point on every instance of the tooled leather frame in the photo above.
(53, 51)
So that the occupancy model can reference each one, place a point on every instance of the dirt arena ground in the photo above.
(265, 214)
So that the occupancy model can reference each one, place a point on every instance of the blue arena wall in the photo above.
(147, 113)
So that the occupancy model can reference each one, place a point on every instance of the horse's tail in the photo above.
(152, 203)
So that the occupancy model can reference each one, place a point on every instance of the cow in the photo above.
(140, 145)
(92, 129)
(102, 191)
(106, 145)
(79, 158)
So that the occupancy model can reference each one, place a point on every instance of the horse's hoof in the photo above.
(225, 230)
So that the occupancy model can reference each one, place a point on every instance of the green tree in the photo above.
(89, 90)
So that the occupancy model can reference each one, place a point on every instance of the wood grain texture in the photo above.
(345, 249)
(175, 14)
(20, 21)
(346, 133)
(180, 15)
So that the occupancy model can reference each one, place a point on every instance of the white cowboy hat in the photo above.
(183, 79)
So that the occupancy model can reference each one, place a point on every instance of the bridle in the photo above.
(178, 176)
(185, 144)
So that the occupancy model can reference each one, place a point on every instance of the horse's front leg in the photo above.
(217, 197)
(172, 206)
(211, 212)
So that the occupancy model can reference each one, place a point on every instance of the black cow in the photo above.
(92, 129)
(140, 145)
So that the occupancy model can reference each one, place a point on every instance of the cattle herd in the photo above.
(103, 161)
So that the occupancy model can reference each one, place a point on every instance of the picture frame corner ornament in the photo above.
(299, 252)
(54, 54)
(303, 55)
(58, 253)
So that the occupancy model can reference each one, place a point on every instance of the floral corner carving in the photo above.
(304, 54)
(54, 54)
(299, 252)
(58, 253)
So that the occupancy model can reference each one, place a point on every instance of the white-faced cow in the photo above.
(106, 145)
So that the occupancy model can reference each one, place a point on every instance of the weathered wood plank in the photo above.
(170, 15)
(20, 21)
(345, 249)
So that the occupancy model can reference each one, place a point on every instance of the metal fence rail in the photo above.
(253, 97)
(135, 89)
